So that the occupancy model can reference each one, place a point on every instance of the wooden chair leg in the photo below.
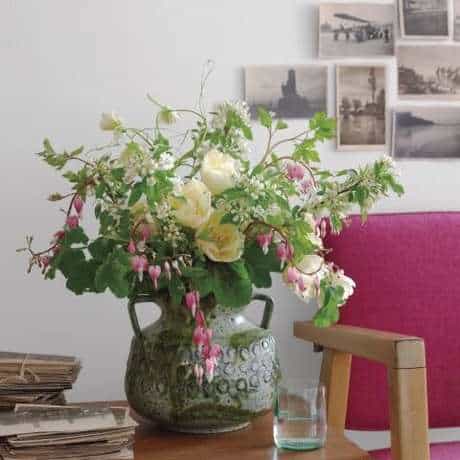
(335, 375)
(408, 414)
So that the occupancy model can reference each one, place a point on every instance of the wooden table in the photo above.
(252, 443)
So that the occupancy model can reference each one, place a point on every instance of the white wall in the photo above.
(61, 65)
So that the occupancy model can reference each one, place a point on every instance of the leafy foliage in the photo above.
(270, 212)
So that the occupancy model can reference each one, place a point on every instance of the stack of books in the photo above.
(39, 432)
(35, 379)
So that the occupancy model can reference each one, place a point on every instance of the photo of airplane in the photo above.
(356, 30)
(353, 27)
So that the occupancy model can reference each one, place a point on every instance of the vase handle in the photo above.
(133, 316)
(268, 309)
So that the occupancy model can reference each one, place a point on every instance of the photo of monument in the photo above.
(287, 91)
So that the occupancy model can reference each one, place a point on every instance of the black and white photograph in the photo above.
(356, 30)
(429, 72)
(361, 102)
(457, 20)
(424, 19)
(426, 132)
(288, 91)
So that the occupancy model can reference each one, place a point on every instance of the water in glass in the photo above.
(299, 421)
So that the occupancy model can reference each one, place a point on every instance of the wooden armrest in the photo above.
(404, 357)
(396, 351)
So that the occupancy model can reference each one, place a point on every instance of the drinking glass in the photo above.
(299, 421)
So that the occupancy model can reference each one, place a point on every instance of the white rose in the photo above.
(218, 171)
(110, 121)
(192, 206)
(311, 264)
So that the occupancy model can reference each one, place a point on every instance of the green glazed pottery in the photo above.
(161, 387)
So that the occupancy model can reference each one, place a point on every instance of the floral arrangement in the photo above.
(196, 224)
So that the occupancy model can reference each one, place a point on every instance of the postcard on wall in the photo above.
(288, 91)
(356, 29)
(426, 132)
(457, 20)
(361, 103)
(429, 72)
(424, 19)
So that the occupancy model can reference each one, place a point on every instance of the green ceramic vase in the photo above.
(159, 383)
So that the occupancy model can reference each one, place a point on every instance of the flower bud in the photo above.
(132, 247)
(72, 222)
(78, 204)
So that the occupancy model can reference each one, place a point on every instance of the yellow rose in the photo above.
(192, 207)
(218, 171)
(220, 242)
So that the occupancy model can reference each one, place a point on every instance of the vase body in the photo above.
(161, 387)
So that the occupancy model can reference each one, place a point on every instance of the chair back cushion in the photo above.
(407, 271)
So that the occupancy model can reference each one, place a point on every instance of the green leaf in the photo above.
(113, 272)
(75, 236)
(323, 127)
(259, 265)
(82, 279)
(231, 284)
(281, 124)
(264, 117)
(101, 248)
(332, 297)
(136, 193)
(201, 279)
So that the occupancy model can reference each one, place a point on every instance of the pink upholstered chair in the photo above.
(407, 271)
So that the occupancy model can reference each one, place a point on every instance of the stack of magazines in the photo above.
(35, 379)
(39, 432)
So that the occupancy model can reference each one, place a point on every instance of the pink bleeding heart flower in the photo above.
(292, 275)
(132, 247)
(72, 221)
(139, 264)
(78, 204)
(215, 351)
(192, 300)
(200, 319)
(154, 273)
(264, 240)
(301, 284)
(210, 364)
(59, 235)
(284, 252)
(199, 372)
(45, 261)
(200, 337)
(295, 171)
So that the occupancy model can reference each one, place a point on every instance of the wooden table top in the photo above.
(252, 443)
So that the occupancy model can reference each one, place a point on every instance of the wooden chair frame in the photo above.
(404, 358)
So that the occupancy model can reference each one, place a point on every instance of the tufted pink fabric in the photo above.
(407, 271)
(445, 451)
